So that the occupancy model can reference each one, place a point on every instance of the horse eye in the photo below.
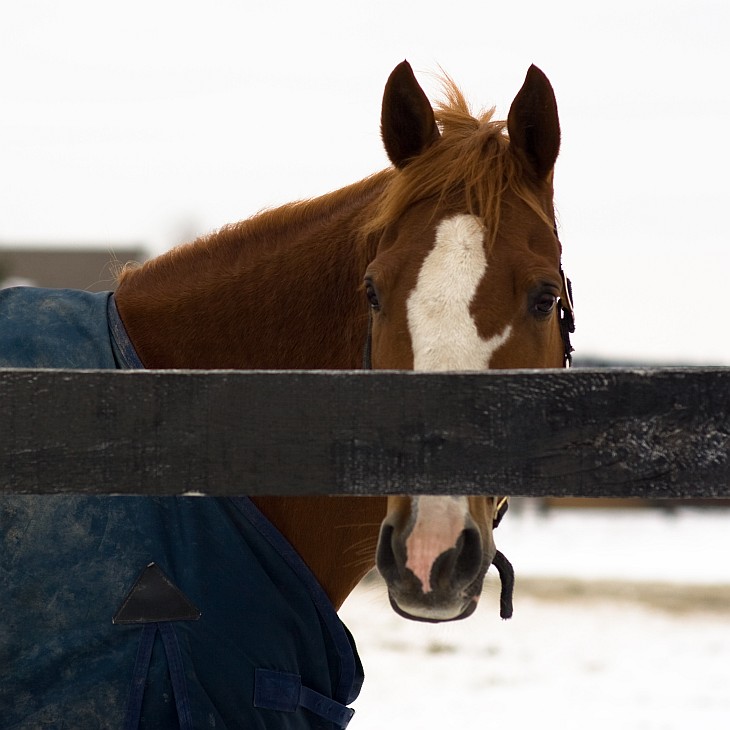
(545, 303)
(372, 294)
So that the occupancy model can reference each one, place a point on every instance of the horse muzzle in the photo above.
(433, 558)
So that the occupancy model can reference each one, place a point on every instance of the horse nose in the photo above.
(444, 574)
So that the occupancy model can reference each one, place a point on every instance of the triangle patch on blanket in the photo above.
(155, 598)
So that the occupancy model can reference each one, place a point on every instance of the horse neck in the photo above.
(335, 536)
(281, 291)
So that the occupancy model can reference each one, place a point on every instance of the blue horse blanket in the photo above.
(146, 612)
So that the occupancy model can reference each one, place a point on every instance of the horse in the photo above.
(449, 259)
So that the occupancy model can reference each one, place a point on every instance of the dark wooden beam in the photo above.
(658, 433)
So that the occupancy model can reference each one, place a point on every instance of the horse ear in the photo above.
(532, 123)
(407, 122)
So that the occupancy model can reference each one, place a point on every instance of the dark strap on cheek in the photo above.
(367, 355)
(567, 319)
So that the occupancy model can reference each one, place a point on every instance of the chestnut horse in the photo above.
(449, 260)
(220, 612)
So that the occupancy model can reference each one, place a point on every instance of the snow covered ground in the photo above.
(622, 621)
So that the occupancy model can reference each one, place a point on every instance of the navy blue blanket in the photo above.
(170, 612)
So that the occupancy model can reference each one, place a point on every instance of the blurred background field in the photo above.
(150, 123)
(622, 620)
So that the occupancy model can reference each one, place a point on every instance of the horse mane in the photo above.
(270, 230)
(471, 159)
(273, 227)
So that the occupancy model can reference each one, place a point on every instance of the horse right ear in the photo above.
(407, 123)
(532, 123)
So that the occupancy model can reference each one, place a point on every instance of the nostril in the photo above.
(460, 565)
(470, 558)
(385, 555)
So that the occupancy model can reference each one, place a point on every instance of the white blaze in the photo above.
(444, 336)
(443, 333)
(439, 523)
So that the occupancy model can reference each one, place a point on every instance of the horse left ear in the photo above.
(407, 122)
(532, 123)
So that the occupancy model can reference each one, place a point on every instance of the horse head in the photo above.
(466, 275)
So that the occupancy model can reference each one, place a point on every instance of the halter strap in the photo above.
(367, 355)
(567, 319)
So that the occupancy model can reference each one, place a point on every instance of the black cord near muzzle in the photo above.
(507, 577)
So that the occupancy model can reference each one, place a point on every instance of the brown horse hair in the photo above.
(472, 159)
(237, 244)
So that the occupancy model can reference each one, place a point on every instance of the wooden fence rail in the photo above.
(658, 433)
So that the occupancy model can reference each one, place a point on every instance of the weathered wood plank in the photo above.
(598, 433)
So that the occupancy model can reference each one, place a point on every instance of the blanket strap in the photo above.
(121, 344)
(284, 692)
(141, 669)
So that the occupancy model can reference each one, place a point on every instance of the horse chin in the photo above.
(433, 615)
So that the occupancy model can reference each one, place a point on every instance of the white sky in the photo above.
(154, 121)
